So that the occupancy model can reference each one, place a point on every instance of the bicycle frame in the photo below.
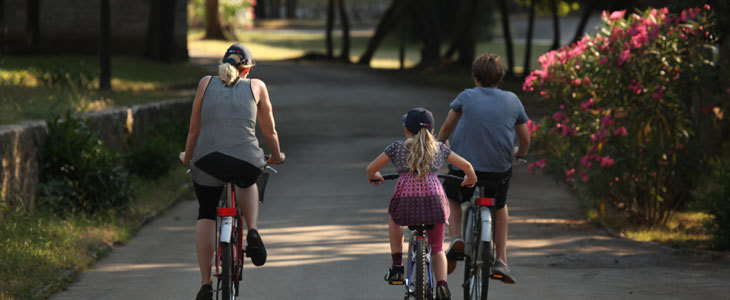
(479, 216)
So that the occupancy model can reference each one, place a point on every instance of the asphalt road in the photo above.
(326, 229)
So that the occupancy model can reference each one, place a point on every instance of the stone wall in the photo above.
(72, 26)
(21, 145)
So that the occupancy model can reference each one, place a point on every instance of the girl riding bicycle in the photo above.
(419, 198)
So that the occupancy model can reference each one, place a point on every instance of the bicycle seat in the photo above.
(420, 227)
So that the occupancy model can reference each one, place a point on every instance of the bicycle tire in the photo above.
(420, 269)
(227, 289)
(476, 277)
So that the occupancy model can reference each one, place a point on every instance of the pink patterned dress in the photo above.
(417, 201)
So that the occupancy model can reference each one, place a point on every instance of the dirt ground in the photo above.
(326, 228)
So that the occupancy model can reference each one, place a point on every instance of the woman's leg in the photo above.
(205, 247)
(248, 201)
(438, 258)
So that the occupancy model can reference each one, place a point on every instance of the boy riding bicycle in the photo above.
(484, 121)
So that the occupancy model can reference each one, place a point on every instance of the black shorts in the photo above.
(226, 169)
(496, 185)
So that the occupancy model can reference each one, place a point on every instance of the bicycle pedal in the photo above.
(396, 282)
(496, 276)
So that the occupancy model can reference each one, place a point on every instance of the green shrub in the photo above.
(633, 110)
(153, 157)
(80, 174)
(718, 205)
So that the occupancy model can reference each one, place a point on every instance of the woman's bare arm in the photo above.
(265, 114)
(194, 129)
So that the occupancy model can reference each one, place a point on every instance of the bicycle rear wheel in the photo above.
(421, 269)
(227, 276)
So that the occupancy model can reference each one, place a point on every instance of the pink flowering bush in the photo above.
(626, 110)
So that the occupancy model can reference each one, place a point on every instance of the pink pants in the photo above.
(436, 238)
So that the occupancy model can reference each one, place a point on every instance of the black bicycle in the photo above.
(419, 257)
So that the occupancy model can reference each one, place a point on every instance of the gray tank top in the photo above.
(228, 122)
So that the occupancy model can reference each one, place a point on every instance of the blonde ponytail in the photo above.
(227, 73)
(422, 149)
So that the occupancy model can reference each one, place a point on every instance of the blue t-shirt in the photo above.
(485, 134)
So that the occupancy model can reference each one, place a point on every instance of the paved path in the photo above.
(326, 231)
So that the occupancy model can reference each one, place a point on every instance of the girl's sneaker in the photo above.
(395, 275)
(442, 292)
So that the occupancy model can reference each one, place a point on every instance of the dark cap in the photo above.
(418, 118)
(239, 55)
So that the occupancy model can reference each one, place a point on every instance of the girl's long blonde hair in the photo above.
(422, 149)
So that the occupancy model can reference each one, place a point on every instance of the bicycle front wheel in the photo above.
(226, 278)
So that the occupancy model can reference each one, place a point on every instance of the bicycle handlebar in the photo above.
(391, 176)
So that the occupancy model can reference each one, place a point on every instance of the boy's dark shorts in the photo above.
(496, 185)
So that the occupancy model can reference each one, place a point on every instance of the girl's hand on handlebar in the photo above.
(276, 160)
(376, 178)
(468, 181)
(182, 158)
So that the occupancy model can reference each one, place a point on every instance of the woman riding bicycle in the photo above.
(419, 198)
(222, 147)
(484, 120)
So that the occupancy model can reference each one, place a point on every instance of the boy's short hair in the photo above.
(487, 70)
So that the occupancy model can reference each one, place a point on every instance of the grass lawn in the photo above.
(37, 87)
(41, 253)
(273, 45)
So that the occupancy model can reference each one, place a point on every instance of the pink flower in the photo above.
(577, 81)
(586, 81)
(587, 104)
(617, 15)
(567, 130)
(707, 6)
(659, 93)
(569, 174)
(606, 162)
(607, 121)
(527, 86)
(624, 56)
(603, 61)
(620, 131)
(540, 164)
(584, 176)
(531, 127)
(557, 116)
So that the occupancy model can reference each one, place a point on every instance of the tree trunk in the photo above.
(105, 47)
(556, 25)
(160, 27)
(275, 11)
(291, 9)
(344, 19)
(528, 47)
(213, 28)
(259, 10)
(330, 24)
(394, 14)
(3, 27)
(580, 30)
(465, 41)
(428, 29)
(32, 28)
(507, 37)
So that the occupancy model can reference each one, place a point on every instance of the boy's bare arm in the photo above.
(449, 125)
